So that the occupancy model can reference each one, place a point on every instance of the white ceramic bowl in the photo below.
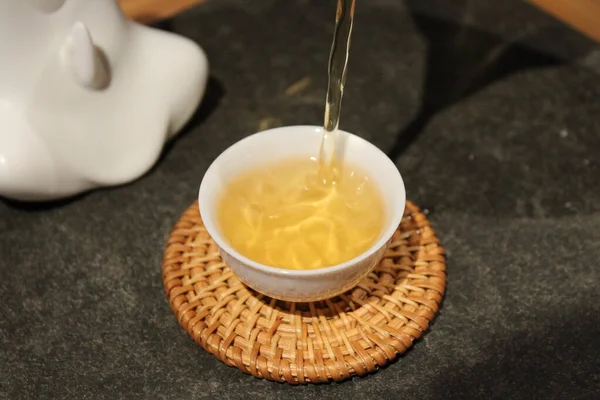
(273, 145)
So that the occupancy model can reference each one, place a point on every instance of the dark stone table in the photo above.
(491, 110)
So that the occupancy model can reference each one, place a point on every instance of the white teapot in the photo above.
(88, 98)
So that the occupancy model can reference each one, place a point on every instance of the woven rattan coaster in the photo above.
(331, 340)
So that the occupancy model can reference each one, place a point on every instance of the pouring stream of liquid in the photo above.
(338, 63)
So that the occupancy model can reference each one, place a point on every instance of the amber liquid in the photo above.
(281, 215)
(307, 213)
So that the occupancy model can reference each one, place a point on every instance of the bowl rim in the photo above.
(213, 230)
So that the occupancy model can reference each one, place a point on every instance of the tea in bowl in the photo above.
(287, 234)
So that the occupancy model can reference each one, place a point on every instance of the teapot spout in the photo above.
(84, 60)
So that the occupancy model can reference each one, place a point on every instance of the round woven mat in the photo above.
(331, 340)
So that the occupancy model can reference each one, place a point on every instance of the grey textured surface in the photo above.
(491, 110)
